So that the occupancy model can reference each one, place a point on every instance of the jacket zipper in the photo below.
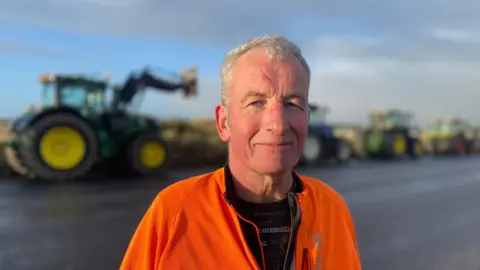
(295, 217)
(264, 267)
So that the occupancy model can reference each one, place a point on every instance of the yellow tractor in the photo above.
(452, 135)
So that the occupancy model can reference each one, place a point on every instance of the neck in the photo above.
(254, 187)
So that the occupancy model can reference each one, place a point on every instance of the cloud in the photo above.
(231, 21)
(428, 76)
(28, 50)
(184, 20)
(423, 56)
(458, 36)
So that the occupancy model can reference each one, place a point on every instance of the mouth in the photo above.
(279, 145)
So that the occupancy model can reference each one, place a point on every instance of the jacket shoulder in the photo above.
(177, 192)
(324, 191)
(152, 236)
(172, 198)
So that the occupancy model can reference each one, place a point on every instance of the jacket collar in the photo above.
(225, 181)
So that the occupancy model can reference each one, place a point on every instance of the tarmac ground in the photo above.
(409, 215)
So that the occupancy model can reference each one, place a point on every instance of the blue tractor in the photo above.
(322, 144)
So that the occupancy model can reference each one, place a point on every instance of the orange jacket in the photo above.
(191, 225)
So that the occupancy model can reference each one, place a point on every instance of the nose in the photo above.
(276, 120)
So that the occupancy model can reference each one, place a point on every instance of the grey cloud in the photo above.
(413, 48)
(419, 55)
(215, 21)
(422, 80)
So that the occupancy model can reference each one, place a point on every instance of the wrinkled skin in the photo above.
(267, 120)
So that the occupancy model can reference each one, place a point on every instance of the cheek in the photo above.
(244, 128)
(299, 125)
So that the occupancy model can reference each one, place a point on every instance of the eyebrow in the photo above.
(292, 96)
(263, 95)
(253, 94)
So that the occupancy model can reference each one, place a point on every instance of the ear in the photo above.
(222, 123)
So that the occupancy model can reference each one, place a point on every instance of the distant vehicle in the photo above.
(75, 127)
(452, 135)
(321, 143)
(390, 135)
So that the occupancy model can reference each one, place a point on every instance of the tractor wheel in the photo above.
(14, 162)
(396, 144)
(343, 152)
(415, 148)
(313, 150)
(59, 147)
(148, 155)
(461, 146)
(470, 145)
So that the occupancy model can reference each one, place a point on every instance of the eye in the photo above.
(256, 103)
(294, 105)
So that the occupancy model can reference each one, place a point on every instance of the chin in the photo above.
(273, 167)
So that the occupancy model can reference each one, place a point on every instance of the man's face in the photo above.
(268, 113)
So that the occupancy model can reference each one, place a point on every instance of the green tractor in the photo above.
(76, 127)
(452, 135)
(390, 135)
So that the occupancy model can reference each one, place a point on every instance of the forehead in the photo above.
(257, 68)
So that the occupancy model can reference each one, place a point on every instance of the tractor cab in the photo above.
(390, 119)
(85, 94)
(318, 119)
(318, 114)
(446, 127)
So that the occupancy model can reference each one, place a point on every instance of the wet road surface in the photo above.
(409, 215)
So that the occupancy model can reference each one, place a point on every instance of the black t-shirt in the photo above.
(274, 225)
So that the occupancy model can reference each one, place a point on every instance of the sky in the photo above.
(421, 56)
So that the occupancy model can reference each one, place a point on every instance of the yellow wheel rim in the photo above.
(152, 154)
(62, 148)
(399, 145)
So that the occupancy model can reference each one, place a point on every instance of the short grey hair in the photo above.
(276, 46)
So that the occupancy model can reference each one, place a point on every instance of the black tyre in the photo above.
(59, 147)
(470, 145)
(148, 155)
(14, 162)
(396, 145)
(343, 151)
(460, 145)
(415, 148)
(313, 151)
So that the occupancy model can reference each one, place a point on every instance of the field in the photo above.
(3, 139)
(198, 140)
(3, 127)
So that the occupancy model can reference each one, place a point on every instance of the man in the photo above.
(256, 212)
